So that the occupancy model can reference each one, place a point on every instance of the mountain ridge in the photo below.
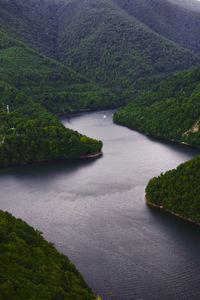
(177, 23)
(98, 39)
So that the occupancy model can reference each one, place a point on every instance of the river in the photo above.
(94, 211)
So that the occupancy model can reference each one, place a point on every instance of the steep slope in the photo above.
(103, 42)
(31, 268)
(171, 110)
(52, 84)
(172, 21)
(178, 191)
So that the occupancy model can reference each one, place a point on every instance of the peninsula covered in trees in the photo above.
(178, 191)
(29, 133)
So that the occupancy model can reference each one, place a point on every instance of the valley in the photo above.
(68, 170)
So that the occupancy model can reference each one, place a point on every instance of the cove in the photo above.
(95, 212)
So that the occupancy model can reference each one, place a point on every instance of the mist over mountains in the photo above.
(191, 4)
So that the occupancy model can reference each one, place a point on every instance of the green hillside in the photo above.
(102, 41)
(32, 21)
(171, 110)
(170, 20)
(29, 133)
(178, 190)
(31, 268)
(48, 82)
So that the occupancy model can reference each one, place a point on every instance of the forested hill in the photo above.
(33, 22)
(48, 82)
(170, 20)
(29, 133)
(178, 190)
(98, 39)
(171, 110)
(102, 41)
(31, 268)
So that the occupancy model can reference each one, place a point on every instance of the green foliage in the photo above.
(30, 133)
(179, 25)
(32, 21)
(102, 41)
(178, 190)
(48, 82)
(32, 269)
(168, 111)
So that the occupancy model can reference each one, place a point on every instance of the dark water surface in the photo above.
(94, 211)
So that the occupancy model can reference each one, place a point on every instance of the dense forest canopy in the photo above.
(30, 133)
(57, 87)
(171, 110)
(31, 268)
(102, 40)
(178, 190)
(172, 21)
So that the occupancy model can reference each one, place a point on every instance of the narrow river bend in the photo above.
(94, 211)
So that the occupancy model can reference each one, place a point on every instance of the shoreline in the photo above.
(162, 139)
(78, 158)
(92, 155)
(149, 203)
(73, 112)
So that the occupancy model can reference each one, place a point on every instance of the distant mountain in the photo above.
(173, 19)
(100, 39)
(191, 4)
(32, 21)
(105, 43)
(171, 110)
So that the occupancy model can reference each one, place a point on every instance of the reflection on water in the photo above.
(94, 211)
